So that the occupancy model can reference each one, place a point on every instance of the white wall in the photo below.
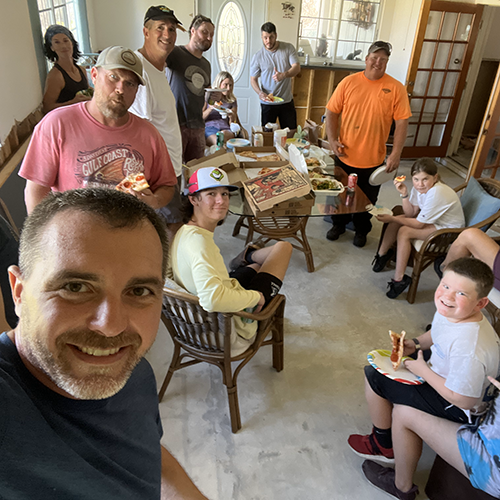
(120, 22)
(398, 27)
(20, 87)
(287, 23)
(492, 48)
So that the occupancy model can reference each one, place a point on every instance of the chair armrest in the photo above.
(266, 313)
(460, 187)
(181, 295)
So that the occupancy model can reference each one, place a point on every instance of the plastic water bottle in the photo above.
(220, 139)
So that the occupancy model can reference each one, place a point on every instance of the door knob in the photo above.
(457, 61)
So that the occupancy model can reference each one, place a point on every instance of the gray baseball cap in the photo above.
(117, 57)
(380, 45)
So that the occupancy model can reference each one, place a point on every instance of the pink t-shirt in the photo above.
(69, 149)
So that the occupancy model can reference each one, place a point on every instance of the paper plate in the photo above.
(275, 99)
(378, 210)
(380, 359)
(380, 176)
(237, 143)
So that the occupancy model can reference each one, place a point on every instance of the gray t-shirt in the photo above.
(263, 64)
(188, 77)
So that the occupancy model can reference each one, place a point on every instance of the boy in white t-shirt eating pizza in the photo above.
(464, 351)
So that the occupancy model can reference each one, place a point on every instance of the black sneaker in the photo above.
(380, 261)
(437, 266)
(396, 288)
(359, 240)
(383, 478)
(335, 232)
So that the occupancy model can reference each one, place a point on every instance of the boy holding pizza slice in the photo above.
(464, 351)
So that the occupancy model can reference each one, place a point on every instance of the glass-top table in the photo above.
(294, 226)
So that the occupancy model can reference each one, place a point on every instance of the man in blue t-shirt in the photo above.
(276, 63)
(79, 411)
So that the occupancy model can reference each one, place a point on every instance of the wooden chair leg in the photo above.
(234, 408)
(172, 368)
(278, 340)
(415, 278)
(250, 231)
(237, 226)
(307, 248)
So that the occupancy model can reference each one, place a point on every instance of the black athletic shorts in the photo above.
(422, 397)
(250, 279)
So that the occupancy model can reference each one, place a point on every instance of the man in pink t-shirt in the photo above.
(98, 143)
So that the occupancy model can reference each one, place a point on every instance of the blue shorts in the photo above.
(211, 131)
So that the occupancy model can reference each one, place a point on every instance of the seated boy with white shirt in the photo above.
(465, 350)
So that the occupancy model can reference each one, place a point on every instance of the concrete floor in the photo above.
(292, 445)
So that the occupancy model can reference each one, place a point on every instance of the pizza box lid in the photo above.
(265, 191)
(221, 159)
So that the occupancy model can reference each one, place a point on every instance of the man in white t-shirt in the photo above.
(155, 101)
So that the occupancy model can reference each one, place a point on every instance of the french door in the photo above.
(436, 77)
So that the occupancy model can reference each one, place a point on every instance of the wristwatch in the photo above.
(418, 347)
(405, 196)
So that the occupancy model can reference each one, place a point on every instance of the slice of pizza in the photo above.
(400, 178)
(398, 347)
(266, 170)
(271, 157)
(137, 182)
(248, 154)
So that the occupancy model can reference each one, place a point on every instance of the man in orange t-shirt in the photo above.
(368, 102)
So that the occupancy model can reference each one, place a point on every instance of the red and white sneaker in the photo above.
(368, 447)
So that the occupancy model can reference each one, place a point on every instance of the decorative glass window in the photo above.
(338, 30)
(231, 39)
(58, 12)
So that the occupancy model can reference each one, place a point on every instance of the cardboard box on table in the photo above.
(221, 159)
(236, 175)
(291, 207)
(263, 150)
(265, 191)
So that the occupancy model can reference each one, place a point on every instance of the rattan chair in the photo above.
(200, 336)
(425, 252)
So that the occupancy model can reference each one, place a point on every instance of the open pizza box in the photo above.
(260, 152)
(264, 192)
(221, 159)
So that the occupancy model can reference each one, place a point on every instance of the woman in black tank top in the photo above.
(66, 78)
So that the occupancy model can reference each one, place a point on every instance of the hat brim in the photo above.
(110, 67)
(159, 17)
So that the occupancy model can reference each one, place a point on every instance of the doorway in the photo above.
(253, 12)
(475, 114)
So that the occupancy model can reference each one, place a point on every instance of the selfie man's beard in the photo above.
(99, 381)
